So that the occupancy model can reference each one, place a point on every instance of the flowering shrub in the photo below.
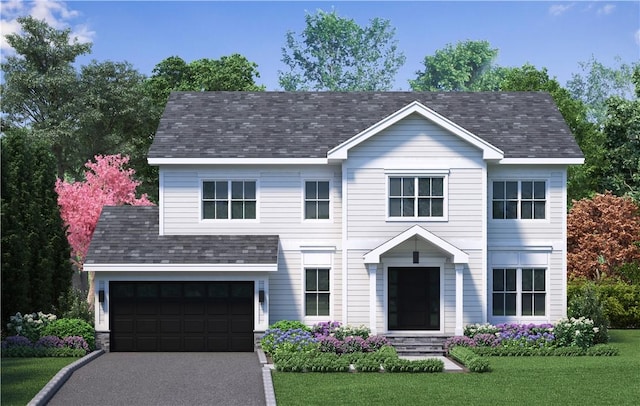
(16, 341)
(49, 342)
(30, 325)
(75, 342)
(374, 343)
(572, 332)
(462, 341)
(335, 338)
(519, 339)
(325, 328)
(47, 346)
(472, 329)
(353, 344)
(526, 335)
(292, 340)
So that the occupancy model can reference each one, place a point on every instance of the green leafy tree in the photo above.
(621, 131)
(233, 72)
(115, 114)
(36, 270)
(466, 66)
(40, 85)
(597, 83)
(335, 53)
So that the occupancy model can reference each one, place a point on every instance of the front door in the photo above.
(414, 298)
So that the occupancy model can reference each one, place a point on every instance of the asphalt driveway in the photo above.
(170, 379)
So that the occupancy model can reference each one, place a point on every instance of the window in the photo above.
(229, 199)
(316, 200)
(519, 200)
(528, 300)
(316, 292)
(416, 196)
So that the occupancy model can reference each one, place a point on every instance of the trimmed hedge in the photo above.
(596, 350)
(470, 359)
(404, 365)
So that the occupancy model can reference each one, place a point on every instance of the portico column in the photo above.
(459, 299)
(373, 270)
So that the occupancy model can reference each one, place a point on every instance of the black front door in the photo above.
(414, 298)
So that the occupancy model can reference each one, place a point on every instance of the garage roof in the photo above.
(129, 235)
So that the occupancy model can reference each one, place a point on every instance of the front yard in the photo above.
(23, 378)
(514, 380)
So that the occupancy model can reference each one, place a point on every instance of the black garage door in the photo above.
(181, 316)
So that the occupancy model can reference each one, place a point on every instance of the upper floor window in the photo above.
(420, 196)
(519, 199)
(316, 200)
(229, 199)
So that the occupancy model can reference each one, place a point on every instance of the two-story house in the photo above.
(401, 211)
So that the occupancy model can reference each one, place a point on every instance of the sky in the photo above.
(557, 35)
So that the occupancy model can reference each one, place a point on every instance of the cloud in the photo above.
(637, 37)
(56, 13)
(559, 9)
(606, 9)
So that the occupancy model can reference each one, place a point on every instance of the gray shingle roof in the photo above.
(129, 235)
(309, 124)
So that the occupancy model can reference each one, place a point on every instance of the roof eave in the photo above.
(165, 267)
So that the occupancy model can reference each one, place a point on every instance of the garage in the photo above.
(181, 316)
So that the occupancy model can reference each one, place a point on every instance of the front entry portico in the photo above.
(414, 299)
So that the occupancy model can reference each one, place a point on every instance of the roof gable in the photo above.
(458, 256)
(488, 151)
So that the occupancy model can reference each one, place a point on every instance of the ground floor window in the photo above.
(519, 291)
(317, 291)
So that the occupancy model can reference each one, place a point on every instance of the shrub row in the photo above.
(471, 360)
(574, 332)
(329, 337)
(47, 346)
(44, 335)
(596, 350)
(314, 361)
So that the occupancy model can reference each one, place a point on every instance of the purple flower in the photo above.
(75, 342)
(16, 341)
(49, 342)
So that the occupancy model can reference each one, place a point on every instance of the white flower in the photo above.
(596, 329)
(577, 332)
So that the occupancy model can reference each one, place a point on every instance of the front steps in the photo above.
(417, 345)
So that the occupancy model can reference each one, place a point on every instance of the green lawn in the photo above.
(514, 380)
(23, 378)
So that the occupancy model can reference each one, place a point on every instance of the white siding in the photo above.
(413, 146)
(280, 202)
(510, 232)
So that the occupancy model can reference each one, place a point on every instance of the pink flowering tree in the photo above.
(107, 183)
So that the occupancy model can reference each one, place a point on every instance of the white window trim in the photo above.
(426, 173)
(303, 200)
(228, 180)
(317, 258)
(547, 194)
(521, 264)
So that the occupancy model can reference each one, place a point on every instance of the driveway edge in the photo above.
(60, 378)
(267, 381)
